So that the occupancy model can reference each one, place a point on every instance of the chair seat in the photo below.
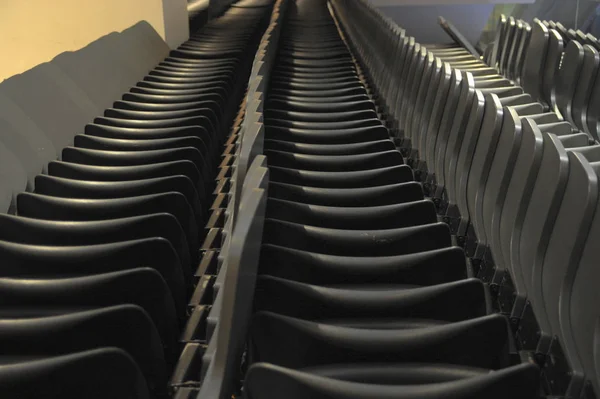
(326, 134)
(295, 343)
(364, 303)
(95, 374)
(23, 260)
(519, 382)
(381, 217)
(74, 332)
(125, 173)
(51, 232)
(352, 179)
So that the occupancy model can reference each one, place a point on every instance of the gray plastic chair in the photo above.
(553, 279)
(551, 73)
(483, 158)
(421, 123)
(431, 116)
(589, 69)
(498, 40)
(237, 297)
(509, 38)
(449, 138)
(580, 324)
(568, 77)
(535, 60)
(419, 108)
(445, 97)
(539, 219)
(521, 53)
(514, 49)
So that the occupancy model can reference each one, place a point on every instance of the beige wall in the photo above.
(34, 31)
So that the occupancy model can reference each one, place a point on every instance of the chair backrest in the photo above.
(546, 197)
(592, 41)
(500, 175)
(391, 63)
(535, 59)
(439, 68)
(552, 69)
(449, 83)
(568, 78)
(465, 156)
(408, 71)
(589, 69)
(580, 318)
(487, 53)
(509, 35)
(459, 84)
(428, 80)
(514, 49)
(446, 99)
(593, 108)
(414, 81)
(581, 37)
(237, 295)
(408, 44)
(483, 154)
(457, 136)
(415, 104)
(252, 145)
(498, 40)
(553, 279)
(448, 156)
(396, 72)
(518, 195)
(561, 29)
(493, 162)
(523, 46)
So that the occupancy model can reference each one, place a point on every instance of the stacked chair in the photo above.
(508, 178)
(98, 264)
(342, 279)
(558, 67)
(369, 217)
(212, 336)
(508, 51)
(359, 290)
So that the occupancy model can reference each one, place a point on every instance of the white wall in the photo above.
(34, 31)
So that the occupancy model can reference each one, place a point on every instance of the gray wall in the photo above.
(421, 21)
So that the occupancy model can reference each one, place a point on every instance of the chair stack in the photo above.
(503, 175)
(377, 219)
(204, 364)
(558, 67)
(350, 296)
(98, 264)
(353, 287)
(350, 286)
(508, 51)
